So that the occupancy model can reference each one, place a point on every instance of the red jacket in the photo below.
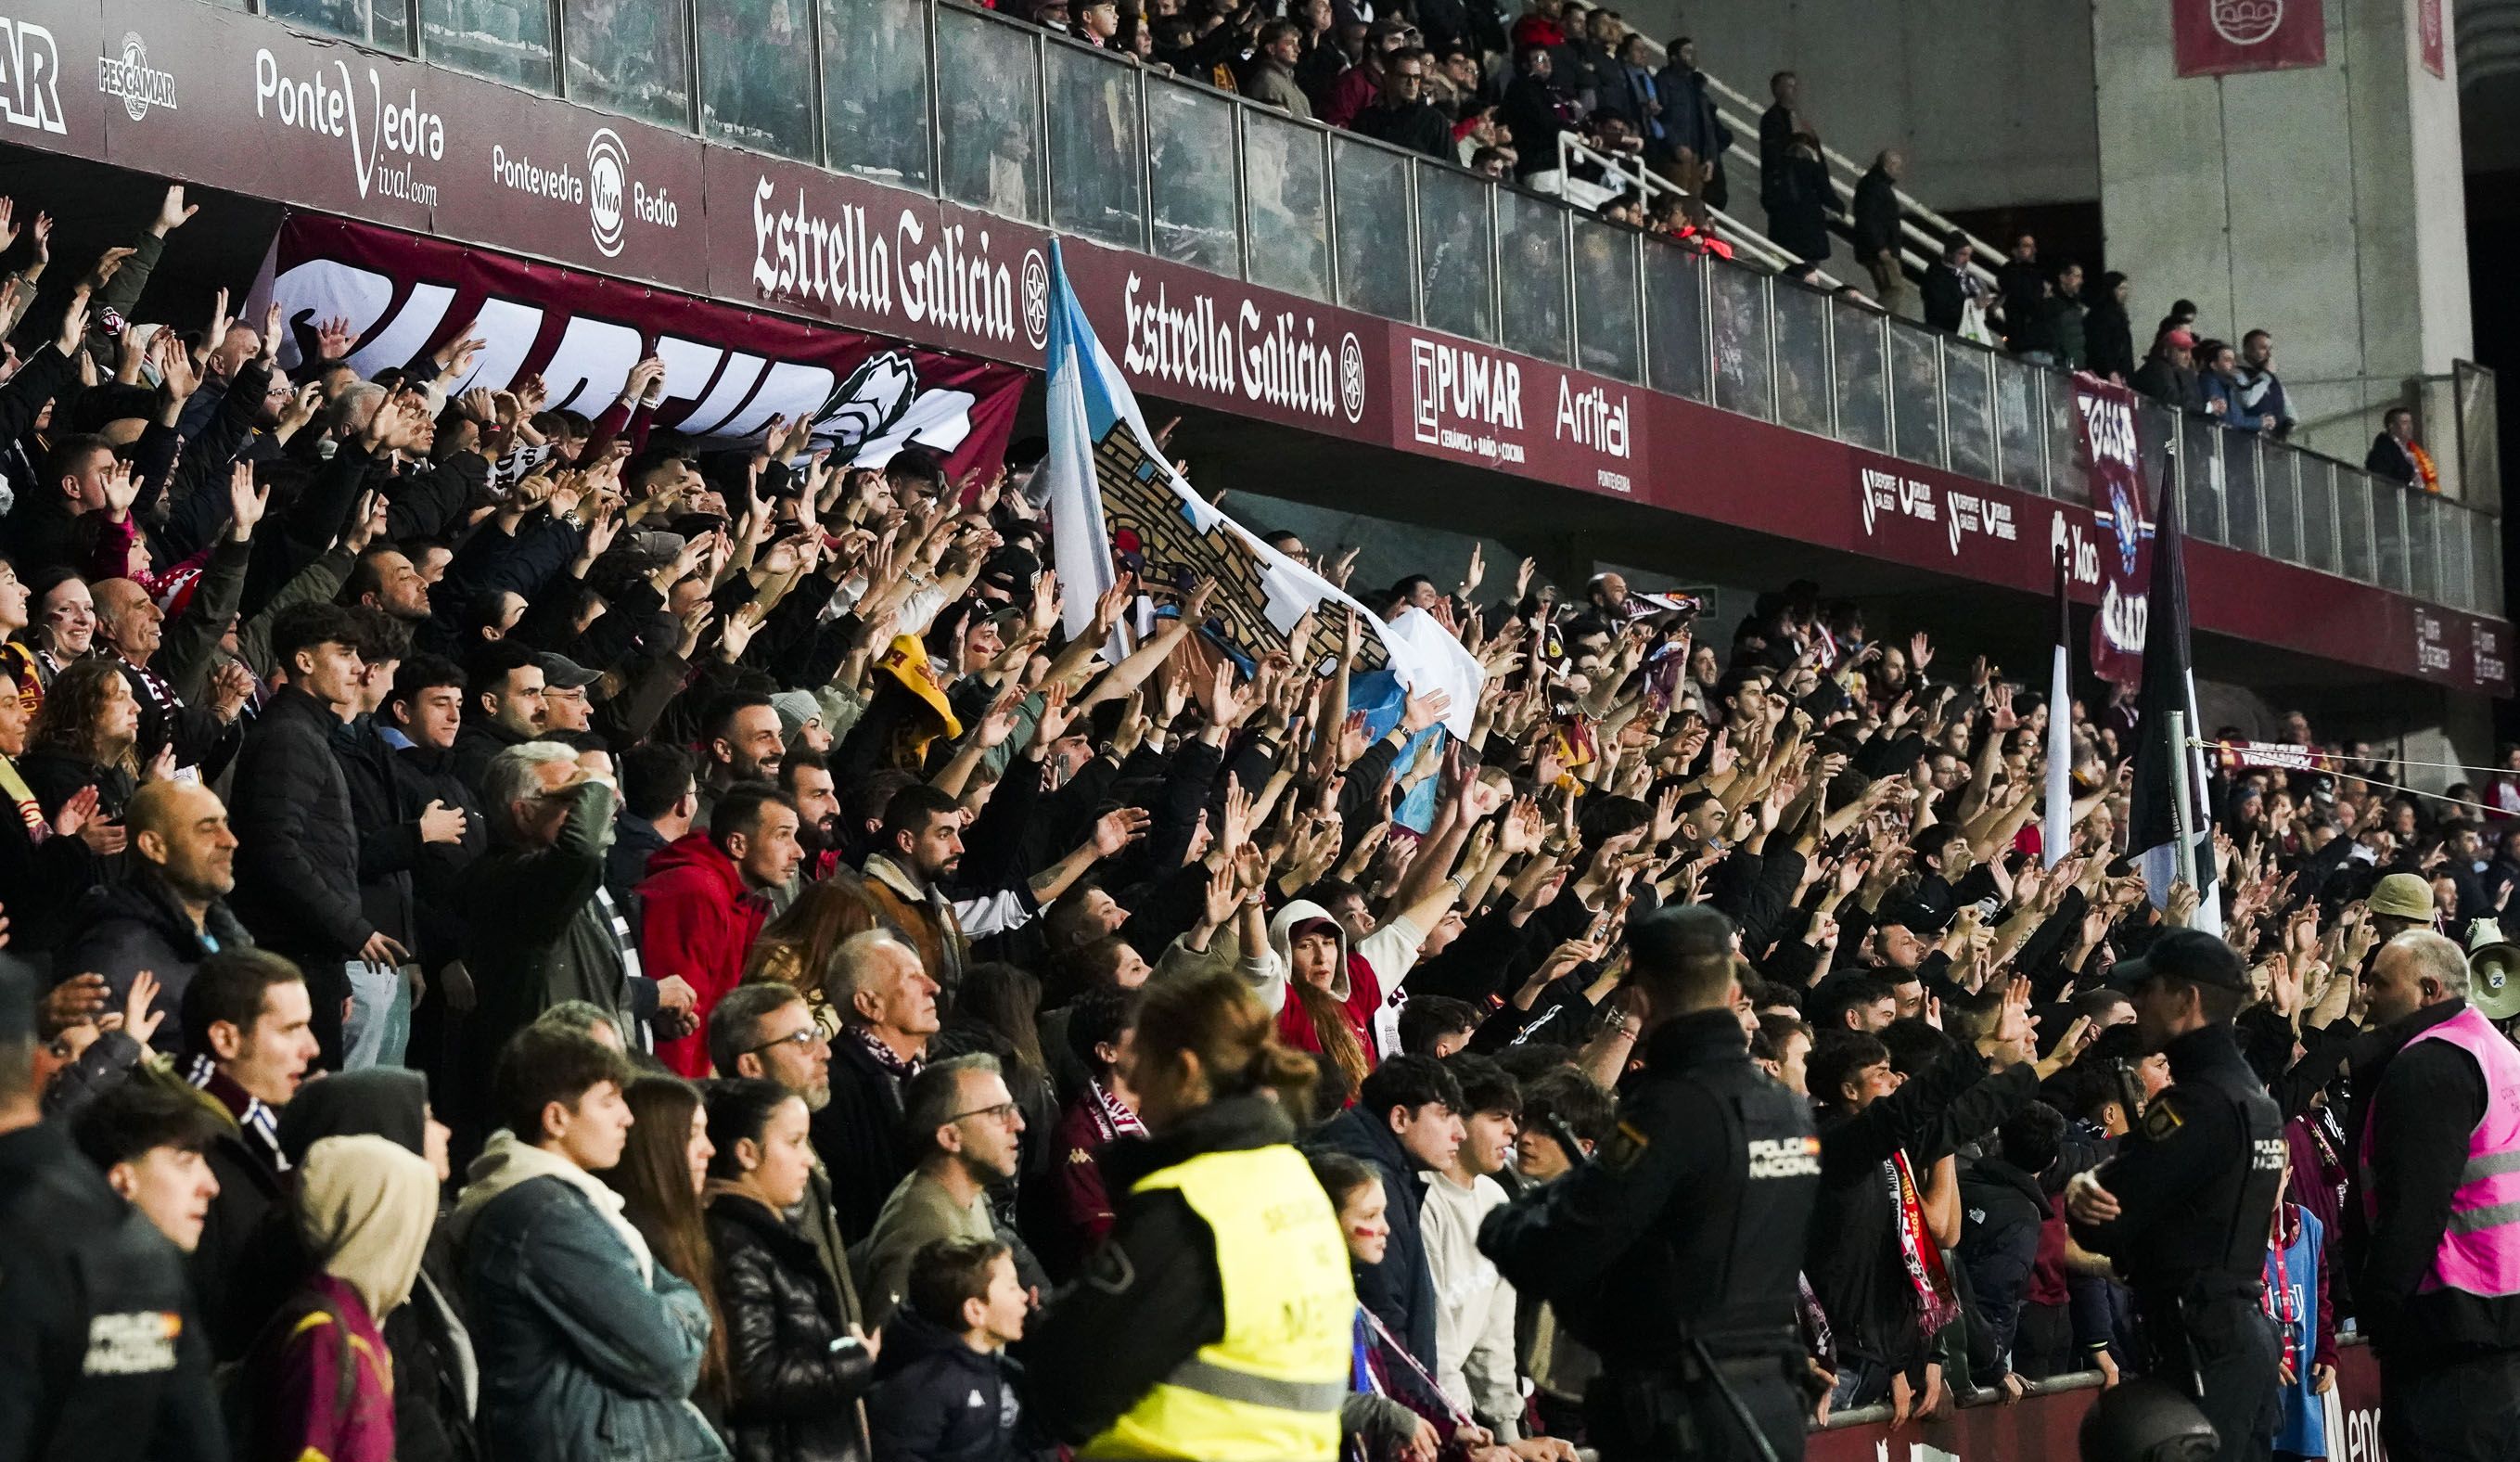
(697, 921)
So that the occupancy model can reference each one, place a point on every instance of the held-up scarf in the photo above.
(1936, 1299)
(1112, 1120)
(2279, 1302)
(15, 790)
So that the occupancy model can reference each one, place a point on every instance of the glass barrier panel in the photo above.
(1862, 399)
(875, 90)
(2485, 557)
(504, 40)
(2064, 443)
(1095, 183)
(991, 114)
(1189, 156)
(2451, 525)
(633, 57)
(2389, 532)
(1531, 260)
(1285, 182)
(1741, 315)
(2016, 424)
(1968, 408)
(2423, 548)
(757, 76)
(2281, 494)
(1676, 320)
(2200, 465)
(1802, 357)
(1372, 198)
(2357, 550)
(1916, 393)
(1605, 301)
(1455, 271)
(2319, 548)
(2242, 520)
(383, 24)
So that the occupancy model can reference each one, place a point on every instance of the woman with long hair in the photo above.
(85, 736)
(798, 1371)
(662, 1172)
(796, 947)
(1327, 998)
(1215, 1322)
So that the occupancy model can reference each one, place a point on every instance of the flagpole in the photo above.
(2182, 809)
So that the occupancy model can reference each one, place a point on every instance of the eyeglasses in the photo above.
(805, 1039)
(999, 1113)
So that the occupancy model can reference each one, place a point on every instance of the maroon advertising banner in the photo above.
(2048, 1426)
(727, 371)
(2104, 422)
(2428, 35)
(2216, 37)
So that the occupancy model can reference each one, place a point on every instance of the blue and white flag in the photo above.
(1115, 502)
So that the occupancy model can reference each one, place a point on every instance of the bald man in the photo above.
(172, 913)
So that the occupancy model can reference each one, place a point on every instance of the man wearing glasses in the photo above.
(1401, 115)
(767, 1031)
(964, 1125)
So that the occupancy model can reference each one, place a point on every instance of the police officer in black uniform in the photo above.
(2187, 1204)
(1674, 1252)
(102, 1355)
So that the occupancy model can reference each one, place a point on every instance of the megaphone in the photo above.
(2493, 970)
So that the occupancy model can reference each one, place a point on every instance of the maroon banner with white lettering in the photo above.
(2216, 37)
(2105, 425)
(728, 371)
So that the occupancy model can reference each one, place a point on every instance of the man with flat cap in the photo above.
(2185, 1205)
(1674, 1254)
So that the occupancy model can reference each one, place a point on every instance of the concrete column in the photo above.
(2323, 204)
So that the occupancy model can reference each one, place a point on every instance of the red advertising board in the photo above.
(2428, 35)
(2216, 37)
(727, 371)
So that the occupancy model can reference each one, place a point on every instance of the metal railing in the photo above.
(1001, 116)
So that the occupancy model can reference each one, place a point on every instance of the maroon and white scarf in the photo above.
(1112, 1119)
(893, 1065)
(1937, 1299)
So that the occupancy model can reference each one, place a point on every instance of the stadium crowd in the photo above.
(532, 938)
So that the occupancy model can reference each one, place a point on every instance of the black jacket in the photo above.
(2176, 387)
(1876, 214)
(2002, 1212)
(1691, 1223)
(1853, 1258)
(476, 746)
(2109, 340)
(1153, 1296)
(1942, 297)
(384, 807)
(1401, 1290)
(2423, 1102)
(297, 841)
(45, 878)
(937, 1399)
(1415, 125)
(437, 875)
(858, 1136)
(119, 930)
(87, 1273)
(2388, 458)
(241, 1269)
(797, 1375)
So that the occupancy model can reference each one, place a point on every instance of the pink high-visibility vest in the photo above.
(2480, 1247)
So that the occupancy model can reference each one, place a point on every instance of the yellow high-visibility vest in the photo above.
(1270, 1390)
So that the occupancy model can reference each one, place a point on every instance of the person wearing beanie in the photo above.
(319, 1376)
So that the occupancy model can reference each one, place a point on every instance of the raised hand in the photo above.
(1118, 827)
(246, 503)
(172, 211)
